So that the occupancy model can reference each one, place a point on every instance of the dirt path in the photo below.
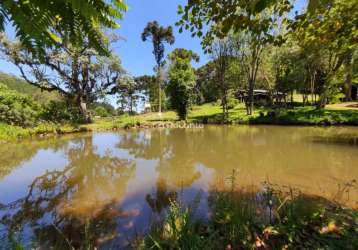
(344, 105)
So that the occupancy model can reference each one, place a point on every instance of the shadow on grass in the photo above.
(307, 116)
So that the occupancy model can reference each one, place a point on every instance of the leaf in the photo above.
(54, 37)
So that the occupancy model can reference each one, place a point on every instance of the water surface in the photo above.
(105, 188)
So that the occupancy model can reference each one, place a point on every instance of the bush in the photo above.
(232, 103)
(337, 98)
(17, 109)
(60, 112)
(101, 111)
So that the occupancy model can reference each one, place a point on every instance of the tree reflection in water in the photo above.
(13, 155)
(173, 149)
(174, 152)
(76, 206)
(86, 203)
(163, 197)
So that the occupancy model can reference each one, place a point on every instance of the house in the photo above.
(147, 107)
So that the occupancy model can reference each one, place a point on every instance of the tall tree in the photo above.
(38, 23)
(205, 86)
(221, 52)
(77, 72)
(129, 92)
(158, 35)
(149, 88)
(181, 80)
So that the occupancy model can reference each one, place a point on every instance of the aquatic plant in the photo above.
(272, 218)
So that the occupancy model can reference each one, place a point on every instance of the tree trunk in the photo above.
(292, 98)
(82, 104)
(224, 107)
(348, 82)
(131, 105)
(251, 98)
(159, 91)
(322, 98)
(313, 94)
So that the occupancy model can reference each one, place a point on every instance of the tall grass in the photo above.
(270, 218)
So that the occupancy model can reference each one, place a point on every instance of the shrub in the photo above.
(232, 103)
(337, 98)
(60, 112)
(17, 109)
(101, 111)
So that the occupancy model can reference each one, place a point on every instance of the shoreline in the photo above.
(52, 130)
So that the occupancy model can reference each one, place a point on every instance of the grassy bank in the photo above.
(11, 133)
(212, 114)
(274, 218)
(281, 116)
(207, 114)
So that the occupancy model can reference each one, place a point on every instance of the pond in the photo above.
(107, 188)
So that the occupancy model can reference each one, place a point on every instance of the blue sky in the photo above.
(136, 56)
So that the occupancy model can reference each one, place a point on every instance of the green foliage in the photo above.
(77, 72)
(17, 109)
(148, 84)
(329, 33)
(332, 23)
(61, 112)
(39, 23)
(10, 132)
(103, 109)
(23, 87)
(232, 103)
(177, 231)
(206, 86)
(158, 35)
(129, 92)
(101, 112)
(210, 20)
(275, 218)
(308, 116)
(181, 80)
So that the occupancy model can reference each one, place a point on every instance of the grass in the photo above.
(274, 218)
(308, 115)
(10, 132)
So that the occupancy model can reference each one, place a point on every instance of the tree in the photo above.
(78, 73)
(330, 29)
(129, 92)
(252, 21)
(39, 23)
(181, 80)
(214, 19)
(290, 72)
(158, 36)
(205, 86)
(221, 52)
(71, 199)
(149, 87)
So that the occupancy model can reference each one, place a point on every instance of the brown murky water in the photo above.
(107, 187)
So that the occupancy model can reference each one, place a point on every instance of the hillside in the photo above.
(21, 86)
